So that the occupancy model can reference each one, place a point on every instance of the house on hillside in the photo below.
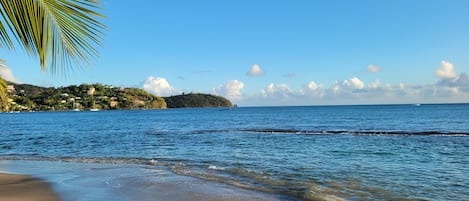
(10, 88)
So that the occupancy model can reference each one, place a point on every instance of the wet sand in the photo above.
(25, 188)
(89, 182)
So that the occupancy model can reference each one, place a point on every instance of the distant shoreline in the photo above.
(95, 97)
(285, 106)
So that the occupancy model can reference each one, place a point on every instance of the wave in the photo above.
(252, 180)
(96, 160)
(238, 177)
(292, 188)
(288, 188)
(335, 132)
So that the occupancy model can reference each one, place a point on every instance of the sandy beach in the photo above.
(15, 187)
(25, 188)
(118, 182)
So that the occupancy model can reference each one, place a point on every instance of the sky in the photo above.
(274, 52)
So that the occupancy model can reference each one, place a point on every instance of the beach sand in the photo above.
(25, 188)
(117, 182)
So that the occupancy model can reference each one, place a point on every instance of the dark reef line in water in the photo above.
(341, 132)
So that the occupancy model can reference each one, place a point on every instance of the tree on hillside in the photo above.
(62, 33)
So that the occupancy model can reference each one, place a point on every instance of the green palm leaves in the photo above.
(62, 33)
(3, 95)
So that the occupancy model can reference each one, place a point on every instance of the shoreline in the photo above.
(17, 187)
(68, 181)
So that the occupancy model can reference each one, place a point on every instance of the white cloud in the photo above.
(401, 86)
(446, 70)
(373, 68)
(279, 87)
(6, 73)
(231, 90)
(454, 90)
(347, 86)
(255, 70)
(374, 85)
(356, 83)
(313, 89)
(159, 86)
(312, 86)
(276, 94)
(450, 81)
(450, 88)
(459, 82)
(354, 91)
(335, 87)
(277, 90)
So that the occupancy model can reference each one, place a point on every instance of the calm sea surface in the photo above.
(391, 152)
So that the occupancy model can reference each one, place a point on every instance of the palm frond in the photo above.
(62, 33)
(3, 95)
(3, 92)
(5, 40)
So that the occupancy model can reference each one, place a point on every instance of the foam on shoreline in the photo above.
(87, 182)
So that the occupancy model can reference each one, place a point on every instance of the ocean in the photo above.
(369, 152)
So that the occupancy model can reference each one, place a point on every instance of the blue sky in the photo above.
(305, 52)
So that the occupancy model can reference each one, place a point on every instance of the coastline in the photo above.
(15, 187)
(69, 181)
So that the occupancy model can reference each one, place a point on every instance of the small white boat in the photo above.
(94, 109)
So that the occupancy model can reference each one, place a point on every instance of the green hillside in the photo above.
(197, 100)
(25, 97)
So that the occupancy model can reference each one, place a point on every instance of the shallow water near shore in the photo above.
(122, 182)
(388, 152)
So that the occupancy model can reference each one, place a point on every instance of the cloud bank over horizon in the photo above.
(450, 87)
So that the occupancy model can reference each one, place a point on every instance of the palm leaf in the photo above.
(62, 33)
(5, 40)
(3, 93)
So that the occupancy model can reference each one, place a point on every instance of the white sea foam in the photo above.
(153, 162)
(213, 167)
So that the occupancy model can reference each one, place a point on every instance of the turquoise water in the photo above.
(390, 152)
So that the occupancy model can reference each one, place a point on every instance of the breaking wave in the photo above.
(96, 160)
(335, 132)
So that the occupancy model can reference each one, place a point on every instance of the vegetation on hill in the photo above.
(197, 100)
(24, 97)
